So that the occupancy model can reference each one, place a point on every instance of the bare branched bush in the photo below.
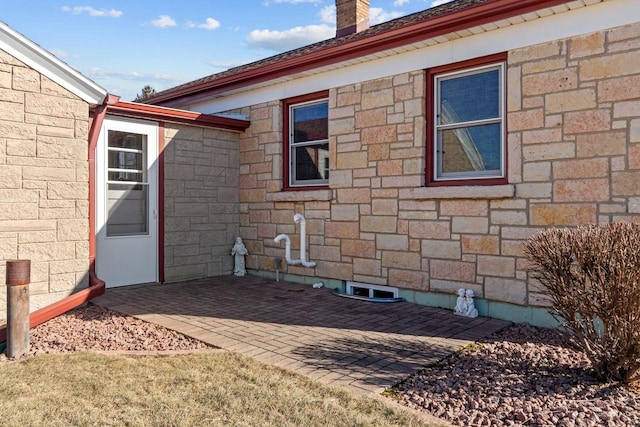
(592, 276)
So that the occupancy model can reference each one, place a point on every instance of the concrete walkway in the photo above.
(361, 345)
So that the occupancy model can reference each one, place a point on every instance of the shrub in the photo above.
(592, 275)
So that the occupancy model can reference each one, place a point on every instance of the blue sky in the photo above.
(125, 45)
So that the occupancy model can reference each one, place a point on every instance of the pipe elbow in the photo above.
(298, 218)
(280, 237)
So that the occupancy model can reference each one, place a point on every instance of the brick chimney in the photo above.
(352, 16)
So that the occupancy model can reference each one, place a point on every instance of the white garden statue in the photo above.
(465, 305)
(238, 252)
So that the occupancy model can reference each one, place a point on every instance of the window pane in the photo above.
(310, 122)
(470, 149)
(469, 97)
(127, 206)
(126, 140)
(311, 163)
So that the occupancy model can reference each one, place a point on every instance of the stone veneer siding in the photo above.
(574, 158)
(200, 201)
(44, 177)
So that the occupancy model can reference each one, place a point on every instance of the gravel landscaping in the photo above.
(519, 376)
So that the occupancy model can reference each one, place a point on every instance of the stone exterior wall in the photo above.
(44, 178)
(201, 201)
(573, 158)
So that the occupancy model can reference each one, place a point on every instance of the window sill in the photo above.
(460, 192)
(301, 196)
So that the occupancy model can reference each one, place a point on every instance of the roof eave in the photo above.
(433, 27)
(34, 56)
(146, 111)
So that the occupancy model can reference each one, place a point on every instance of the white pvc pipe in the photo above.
(303, 244)
(303, 240)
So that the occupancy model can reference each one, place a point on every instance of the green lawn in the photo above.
(203, 389)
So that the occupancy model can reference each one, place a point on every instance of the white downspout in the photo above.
(303, 241)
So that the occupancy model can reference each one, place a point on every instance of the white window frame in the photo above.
(293, 145)
(438, 176)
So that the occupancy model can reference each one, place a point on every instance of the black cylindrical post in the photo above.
(18, 279)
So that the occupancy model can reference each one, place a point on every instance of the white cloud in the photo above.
(439, 2)
(164, 21)
(328, 14)
(101, 74)
(397, 3)
(378, 15)
(281, 41)
(77, 10)
(225, 65)
(209, 24)
(296, 1)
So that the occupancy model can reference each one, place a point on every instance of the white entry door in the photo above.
(127, 202)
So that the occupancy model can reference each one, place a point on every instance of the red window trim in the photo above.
(285, 138)
(430, 76)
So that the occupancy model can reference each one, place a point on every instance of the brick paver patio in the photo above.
(361, 345)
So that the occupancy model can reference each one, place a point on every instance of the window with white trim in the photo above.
(467, 140)
(307, 143)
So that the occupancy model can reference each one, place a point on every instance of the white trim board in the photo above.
(37, 58)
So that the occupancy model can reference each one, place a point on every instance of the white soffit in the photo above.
(37, 58)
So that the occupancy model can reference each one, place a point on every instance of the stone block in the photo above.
(73, 229)
(369, 267)
(562, 214)
(536, 52)
(536, 171)
(392, 242)
(18, 211)
(354, 195)
(500, 266)
(358, 248)
(47, 251)
(324, 253)
(377, 98)
(478, 244)
(384, 207)
(528, 119)
(575, 169)
(341, 212)
(587, 121)
(379, 134)
(625, 109)
(416, 280)
(470, 225)
(619, 89)
(353, 160)
(334, 270)
(25, 80)
(444, 249)
(625, 183)
(557, 150)
(342, 230)
(370, 118)
(582, 190)
(587, 45)
(56, 106)
(458, 271)
(429, 229)
(601, 144)
(605, 66)
(380, 224)
(390, 167)
(506, 290)
(547, 82)
(401, 260)
(505, 217)
(582, 99)
(542, 136)
(463, 208)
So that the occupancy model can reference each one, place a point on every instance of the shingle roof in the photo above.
(442, 10)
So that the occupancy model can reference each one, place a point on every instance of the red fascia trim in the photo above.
(161, 145)
(285, 138)
(430, 109)
(146, 111)
(456, 21)
(96, 288)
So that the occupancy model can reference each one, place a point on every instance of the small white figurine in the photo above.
(461, 303)
(238, 252)
(472, 311)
